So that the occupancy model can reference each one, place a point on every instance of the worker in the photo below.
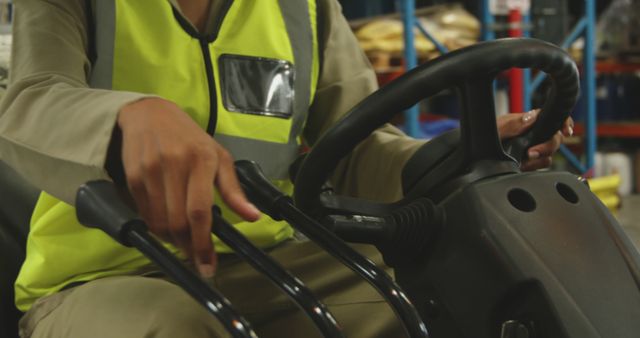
(133, 91)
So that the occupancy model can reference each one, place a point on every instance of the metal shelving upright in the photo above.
(585, 27)
(407, 9)
(411, 115)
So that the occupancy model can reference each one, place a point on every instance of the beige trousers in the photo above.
(136, 306)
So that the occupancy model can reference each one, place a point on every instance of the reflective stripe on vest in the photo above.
(146, 46)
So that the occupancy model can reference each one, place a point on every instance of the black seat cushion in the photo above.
(11, 257)
(17, 200)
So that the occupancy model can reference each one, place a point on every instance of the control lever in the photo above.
(292, 286)
(280, 207)
(403, 234)
(98, 205)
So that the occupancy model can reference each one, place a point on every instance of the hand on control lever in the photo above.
(172, 166)
(540, 155)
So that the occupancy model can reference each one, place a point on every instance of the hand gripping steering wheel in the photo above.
(480, 152)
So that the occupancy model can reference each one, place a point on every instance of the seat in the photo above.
(17, 200)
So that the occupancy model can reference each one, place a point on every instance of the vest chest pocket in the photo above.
(257, 86)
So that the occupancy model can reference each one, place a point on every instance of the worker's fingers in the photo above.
(230, 190)
(198, 209)
(175, 178)
(512, 125)
(535, 164)
(172, 176)
(144, 180)
(546, 149)
(567, 128)
(131, 154)
(539, 156)
(153, 181)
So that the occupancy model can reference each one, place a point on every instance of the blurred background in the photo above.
(602, 36)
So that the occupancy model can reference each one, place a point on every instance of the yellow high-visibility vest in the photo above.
(249, 84)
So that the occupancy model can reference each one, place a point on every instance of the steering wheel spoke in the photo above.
(479, 134)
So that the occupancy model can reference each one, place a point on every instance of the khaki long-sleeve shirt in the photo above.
(55, 130)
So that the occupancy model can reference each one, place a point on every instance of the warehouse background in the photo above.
(614, 163)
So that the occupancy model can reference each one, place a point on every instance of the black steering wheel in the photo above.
(480, 152)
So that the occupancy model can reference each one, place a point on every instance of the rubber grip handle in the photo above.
(98, 205)
(258, 188)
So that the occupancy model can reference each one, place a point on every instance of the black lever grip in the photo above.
(98, 205)
(279, 206)
(292, 286)
(258, 188)
(401, 235)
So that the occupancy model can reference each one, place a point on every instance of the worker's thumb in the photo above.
(512, 125)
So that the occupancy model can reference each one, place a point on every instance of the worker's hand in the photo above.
(540, 155)
(171, 166)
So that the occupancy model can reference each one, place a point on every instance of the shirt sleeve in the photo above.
(54, 129)
(346, 78)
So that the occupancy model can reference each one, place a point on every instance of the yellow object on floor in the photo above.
(606, 189)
